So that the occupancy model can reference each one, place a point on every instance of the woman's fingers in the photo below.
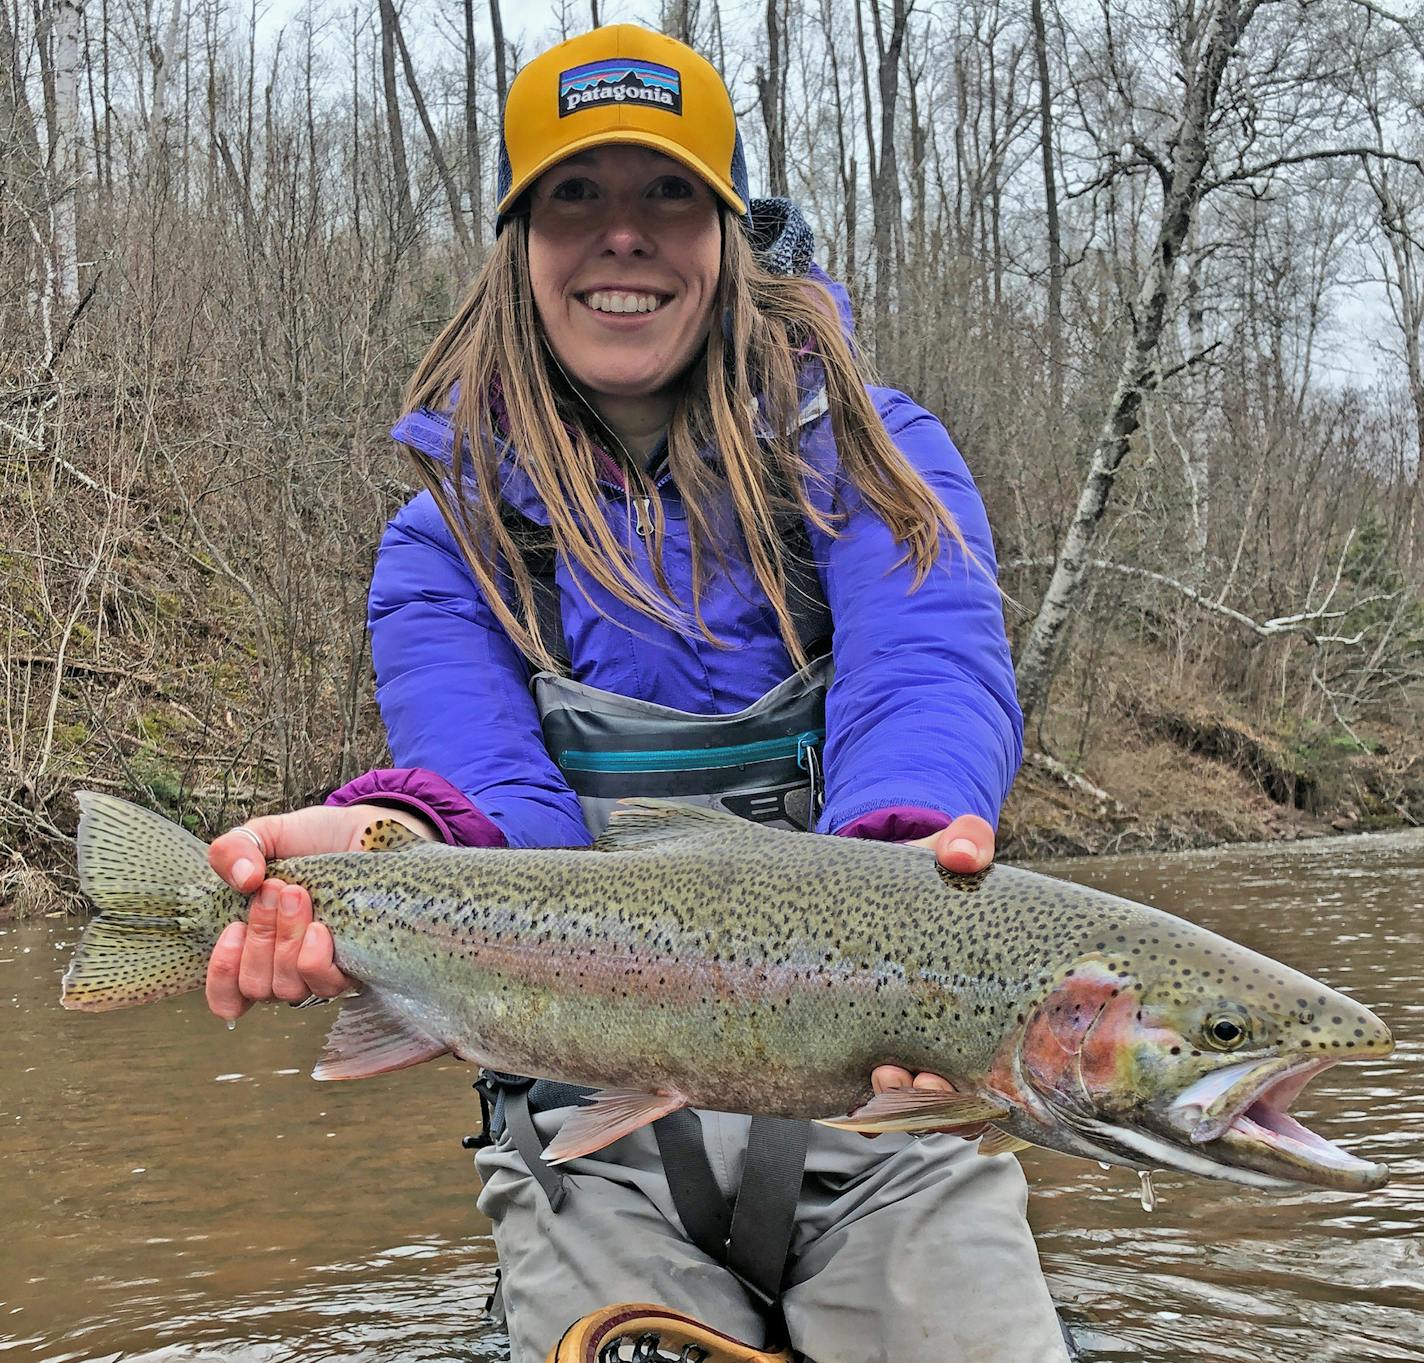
(254, 977)
(294, 916)
(222, 991)
(317, 965)
(885, 1078)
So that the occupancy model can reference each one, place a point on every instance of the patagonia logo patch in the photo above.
(619, 80)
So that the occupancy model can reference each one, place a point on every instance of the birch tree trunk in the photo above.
(64, 150)
(162, 55)
(1182, 183)
(1194, 440)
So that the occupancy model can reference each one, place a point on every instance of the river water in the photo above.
(171, 1190)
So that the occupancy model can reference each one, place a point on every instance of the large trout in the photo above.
(694, 959)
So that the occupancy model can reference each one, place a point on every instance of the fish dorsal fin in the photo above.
(389, 835)
(648, 823)
(370, 1037)
(608, 1116)
(965, 883)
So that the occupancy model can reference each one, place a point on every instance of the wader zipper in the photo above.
(695, 759)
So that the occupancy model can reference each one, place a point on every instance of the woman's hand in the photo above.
(280, 953)
(964, 846)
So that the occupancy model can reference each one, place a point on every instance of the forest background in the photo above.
(1158, 265)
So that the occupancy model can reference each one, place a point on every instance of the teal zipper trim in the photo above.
(693, 759)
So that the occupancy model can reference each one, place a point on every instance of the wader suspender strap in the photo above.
(765, 1214)
(520, 1124)
(753, 1239)
(703, 1210)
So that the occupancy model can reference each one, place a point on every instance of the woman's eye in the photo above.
(573, 191)
(671, 187)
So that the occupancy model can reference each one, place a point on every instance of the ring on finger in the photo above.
(257, 842)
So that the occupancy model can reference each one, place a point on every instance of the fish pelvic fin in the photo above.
(161, 907)
(389, 835)
(372, 1036)
(917, 1110)
(997, 1141)
(608, 1116)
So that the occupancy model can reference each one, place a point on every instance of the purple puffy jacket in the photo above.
(921, 718)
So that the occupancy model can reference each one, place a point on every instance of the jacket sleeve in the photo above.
(922, 717)
(454, 695)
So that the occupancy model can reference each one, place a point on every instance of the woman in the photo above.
(650, 384)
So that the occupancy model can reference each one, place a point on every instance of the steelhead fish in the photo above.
(695, 959)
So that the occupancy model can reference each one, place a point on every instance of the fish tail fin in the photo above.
(161, 907)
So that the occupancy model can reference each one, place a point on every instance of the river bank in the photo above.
(1178, 774)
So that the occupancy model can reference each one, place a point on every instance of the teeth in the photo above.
(607, 301)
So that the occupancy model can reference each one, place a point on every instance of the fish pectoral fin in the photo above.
(389, 835)
(996, 1141)
(608, 1116)
(917, 1110)
(370, 1037)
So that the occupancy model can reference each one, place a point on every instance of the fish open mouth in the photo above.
(1240, 1116)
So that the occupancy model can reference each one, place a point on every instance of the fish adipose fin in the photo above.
(161, 907)
(371, 1037)
(917, 1110)
(608, 1116)
(389, 835)
(648, 823)
(998, 1142)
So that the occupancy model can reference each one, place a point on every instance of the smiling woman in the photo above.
(673, 543)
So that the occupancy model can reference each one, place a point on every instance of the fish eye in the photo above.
(1225, 1033)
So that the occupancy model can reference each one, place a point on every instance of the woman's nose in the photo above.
(625, 234)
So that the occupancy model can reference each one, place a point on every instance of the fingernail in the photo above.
(290, 905)
(965, 848)
(242, 870)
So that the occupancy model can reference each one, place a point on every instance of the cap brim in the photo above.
(629, 137)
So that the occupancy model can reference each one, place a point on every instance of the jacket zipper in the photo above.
(693, 759)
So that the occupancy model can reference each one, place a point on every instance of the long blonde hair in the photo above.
(773, 326)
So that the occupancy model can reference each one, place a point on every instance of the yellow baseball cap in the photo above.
(621, 83)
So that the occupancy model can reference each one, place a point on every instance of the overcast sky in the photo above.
(1350, 353)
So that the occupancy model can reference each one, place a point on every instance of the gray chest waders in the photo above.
(762, 763)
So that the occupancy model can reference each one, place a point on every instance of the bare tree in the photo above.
(405, 208)
(771, 95)
(1182, 183)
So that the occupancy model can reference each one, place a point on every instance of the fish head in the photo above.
(1192, 1060)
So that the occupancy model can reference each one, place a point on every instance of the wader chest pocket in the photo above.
(762, 763)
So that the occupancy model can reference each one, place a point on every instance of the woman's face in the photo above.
(625, 249)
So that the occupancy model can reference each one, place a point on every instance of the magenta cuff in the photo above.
(449, 809)
(899, 823)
